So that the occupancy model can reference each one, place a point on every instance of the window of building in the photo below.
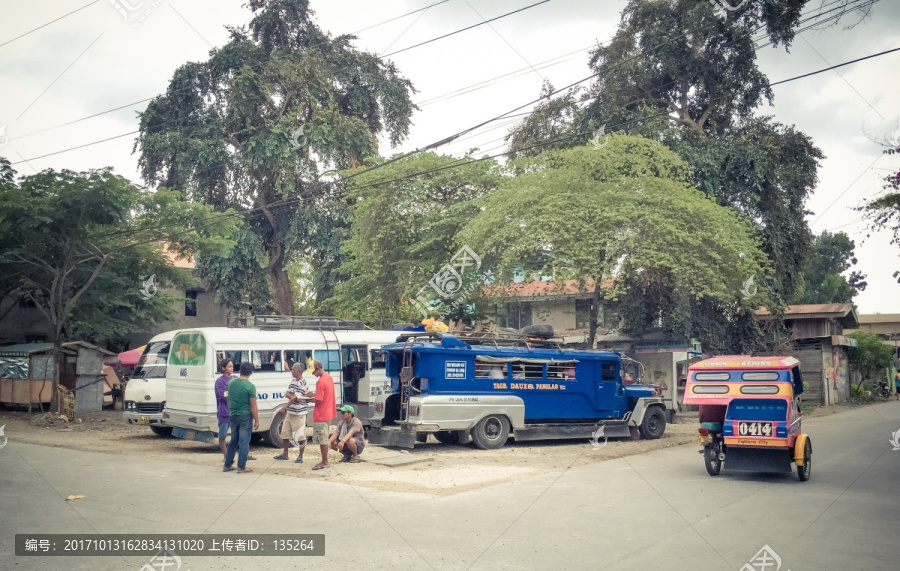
(190, 304)
(582, 313)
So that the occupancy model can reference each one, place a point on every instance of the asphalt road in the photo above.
(658, 510)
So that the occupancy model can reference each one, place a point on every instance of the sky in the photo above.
(116, 54)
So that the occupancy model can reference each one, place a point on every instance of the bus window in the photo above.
(152, 364)
(561, 370)
(236, 357)
(353, 355)
(267, 361)
(331, 359)
(304, 357)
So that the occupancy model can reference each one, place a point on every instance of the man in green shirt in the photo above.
(241, 397)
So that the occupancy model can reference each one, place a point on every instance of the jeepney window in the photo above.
(236, 357)
(561, 370)
(723, 376)
(607, 371)
(710, 389)
(490, 370)
(527, 370)
(188, 349)
(331, 359)
(379, 359)
(760, 376)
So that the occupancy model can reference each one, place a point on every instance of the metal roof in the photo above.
(24, 349)
(840, 311)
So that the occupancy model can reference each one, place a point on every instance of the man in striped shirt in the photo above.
(294, 426)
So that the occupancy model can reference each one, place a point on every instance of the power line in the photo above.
(466, 28)
(48, 23)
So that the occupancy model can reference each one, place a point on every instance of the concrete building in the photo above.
(819, 341)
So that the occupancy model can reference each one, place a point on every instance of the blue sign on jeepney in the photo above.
(455, 370)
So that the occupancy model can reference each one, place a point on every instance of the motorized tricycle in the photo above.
(750, 414)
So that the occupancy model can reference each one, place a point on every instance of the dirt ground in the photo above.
(442, 469)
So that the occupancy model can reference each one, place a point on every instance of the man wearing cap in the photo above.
(349, 438)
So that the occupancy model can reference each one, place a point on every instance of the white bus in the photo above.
(352, 357)
(145, 391)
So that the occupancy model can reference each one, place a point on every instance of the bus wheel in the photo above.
(491, 432)
(654, 424)
(421, 437)
(447, 436)
(273, 435)
(164, 431)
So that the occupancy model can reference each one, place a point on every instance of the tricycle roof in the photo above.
(745, 362)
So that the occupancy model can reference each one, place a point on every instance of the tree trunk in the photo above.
(284, 296)
(595, 312)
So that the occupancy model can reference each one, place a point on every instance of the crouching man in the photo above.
(349, 438)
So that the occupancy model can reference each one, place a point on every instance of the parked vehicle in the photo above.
(445, 386)
(750, 414)
(145, 391)
(273, 346)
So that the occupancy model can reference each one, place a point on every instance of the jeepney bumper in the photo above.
(191, 426)
(400, 436)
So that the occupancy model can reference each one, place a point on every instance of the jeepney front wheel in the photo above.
(654, 424)
(491, 432)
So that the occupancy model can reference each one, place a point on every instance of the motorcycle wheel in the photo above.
(711, 458)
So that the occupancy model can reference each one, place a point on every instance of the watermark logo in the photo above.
(3, 138)
(597, 434)
(749, 289)
(447, 283)
(895, 439)
(764, 559)
(298, 436)
(722, 7)
(295, 138)
(135, 11)
(595, 142)
(5, 439)
(148, 286)
(163, 561)
(895, 138)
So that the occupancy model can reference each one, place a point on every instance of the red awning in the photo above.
(131, 357)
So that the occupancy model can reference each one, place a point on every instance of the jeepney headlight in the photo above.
(129, 405)
(413, 410)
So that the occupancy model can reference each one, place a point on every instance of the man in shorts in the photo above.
(323, 411)
(349, 438)
(294, 425)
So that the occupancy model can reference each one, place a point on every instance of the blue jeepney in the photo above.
(444, 386)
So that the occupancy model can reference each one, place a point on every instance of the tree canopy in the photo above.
(404, 227)
(623, 211)
(831, 255)
(256, 126)
(871, 356)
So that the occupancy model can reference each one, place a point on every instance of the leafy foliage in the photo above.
(831, 255)
(871, 356)
(404, 229)
(624, 211)
(81, 245)
(227, 131)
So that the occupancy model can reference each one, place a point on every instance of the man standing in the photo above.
(294, 425)
(349, 438)
(242, 406)
(323, 411)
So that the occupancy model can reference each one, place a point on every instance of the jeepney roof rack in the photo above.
(291, 322)
(495, 339)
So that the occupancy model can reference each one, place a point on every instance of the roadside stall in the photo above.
(26, 374)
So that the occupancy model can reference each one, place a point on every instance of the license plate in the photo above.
(704, 439)
(190, 434)
(143, 420)
(755, 428)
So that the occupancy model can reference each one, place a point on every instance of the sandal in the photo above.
(299, 460)
(355, 460)
(244, 471)
(319, 467)
(228, 468)
(281, 457)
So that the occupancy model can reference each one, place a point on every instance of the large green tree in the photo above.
(870, 356)
(831, 255)
(82, 247)
(403, 232)
(624, 211)
(257, 125)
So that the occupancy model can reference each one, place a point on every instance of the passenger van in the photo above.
(351, 357)
(145, 392)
